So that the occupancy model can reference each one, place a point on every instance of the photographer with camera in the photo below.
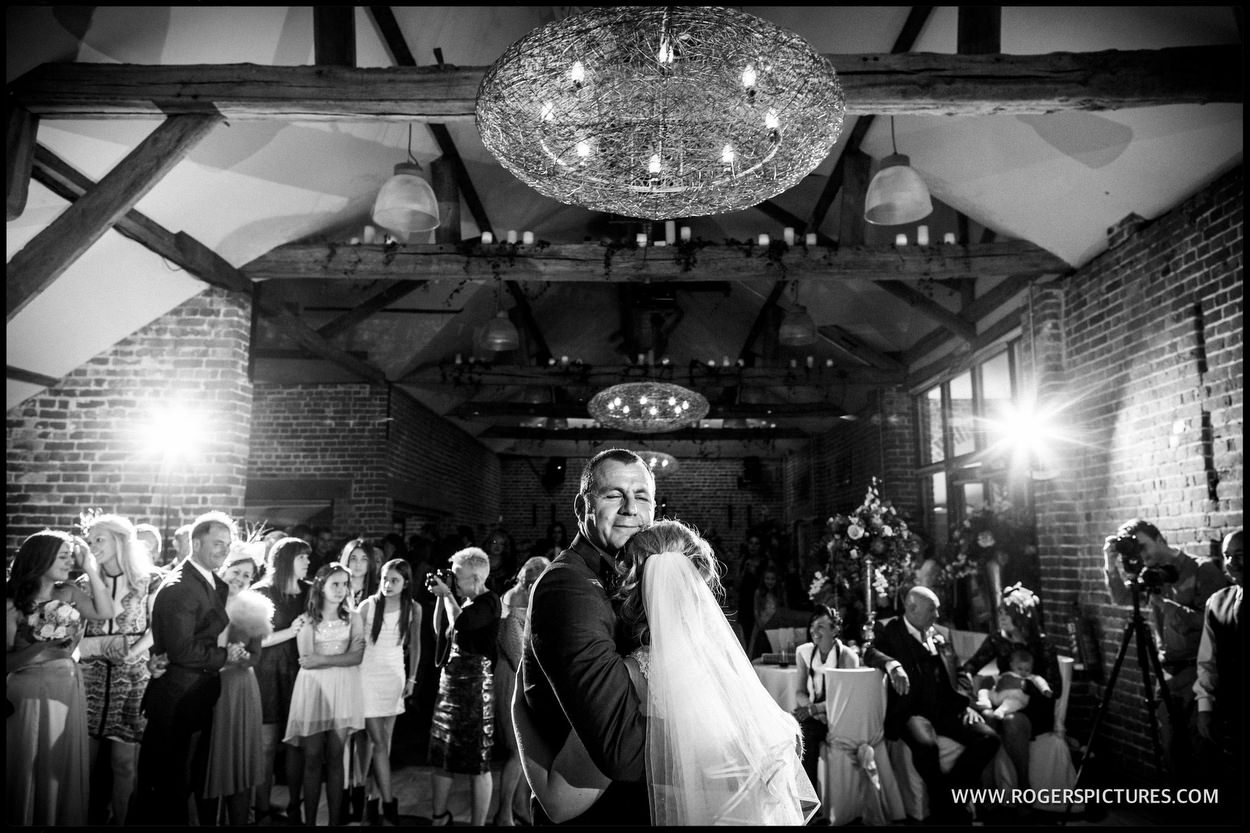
(462, 734)
(1175, 586)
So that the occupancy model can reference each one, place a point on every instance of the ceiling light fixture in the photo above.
(660, 112)
(647, 407)
(406, 202)
(797, 328)
(660, 463)
(897, 194)
(500, 334)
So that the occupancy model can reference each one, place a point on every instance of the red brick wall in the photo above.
(1145, 343)
(85, 442)
(373, 437)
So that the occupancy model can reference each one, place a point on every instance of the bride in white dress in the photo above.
(720, 751)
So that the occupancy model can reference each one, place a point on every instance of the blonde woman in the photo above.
(114, 654)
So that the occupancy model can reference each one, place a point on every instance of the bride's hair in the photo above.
(662, 536)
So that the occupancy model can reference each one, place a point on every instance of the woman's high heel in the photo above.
(442, 819)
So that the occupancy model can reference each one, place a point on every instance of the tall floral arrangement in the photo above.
(870, 552)
(998, 530)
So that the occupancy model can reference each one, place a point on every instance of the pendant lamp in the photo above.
(406, 203)
(500, 334)
(797, 327)
(897, 195)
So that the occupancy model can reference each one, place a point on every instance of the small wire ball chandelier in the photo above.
(660, 112)
(647, 407)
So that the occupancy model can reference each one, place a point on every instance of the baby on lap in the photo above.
(1012, 691)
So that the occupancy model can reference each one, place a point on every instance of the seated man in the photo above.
(1014, 688)
(932, 705)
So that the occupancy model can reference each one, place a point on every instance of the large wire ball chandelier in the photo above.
(660, 112)
(648, 407)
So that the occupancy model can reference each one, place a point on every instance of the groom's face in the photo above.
(621, 501)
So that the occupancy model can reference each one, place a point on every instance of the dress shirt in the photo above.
(925, 639)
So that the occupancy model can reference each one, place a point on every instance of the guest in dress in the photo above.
(359, 557)
(236, 763)
(284, 586)
(46, 735)
(326, 703)
(463, 730)
(1019, 628)
(511, 645)
(501, 551)
(391, 622)
(113, 658)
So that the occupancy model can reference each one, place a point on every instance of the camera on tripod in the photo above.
(1152, 578)
(444, 575)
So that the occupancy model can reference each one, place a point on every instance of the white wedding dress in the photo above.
(720, 751)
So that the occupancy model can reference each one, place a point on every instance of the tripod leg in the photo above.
(1148, 658)
(1106, 700)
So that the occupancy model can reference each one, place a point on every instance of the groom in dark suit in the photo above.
(931, 705)
(188, 615)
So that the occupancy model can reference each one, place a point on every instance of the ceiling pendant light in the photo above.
(659, 112)
(797, 328)
(406, 203)
(500, 334)
(896, 195)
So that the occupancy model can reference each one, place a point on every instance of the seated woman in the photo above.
(719, 749)
(812, 658)
(1018, 628)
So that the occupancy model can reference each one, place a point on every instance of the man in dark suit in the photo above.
(188, 615)
(573, 674)
(931, 705)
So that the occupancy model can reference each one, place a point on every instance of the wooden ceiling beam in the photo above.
(17, 374)
(375, 303)
(977, 310)
(591, 263)
(855, 347)
(746, 354)
(490, 410)
(953, 321)
(697, 376)
(45, 257)
(517, 432)
(880, 84)
(19, 156)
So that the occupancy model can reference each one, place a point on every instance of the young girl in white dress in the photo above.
(719, 749)
(391, 622)
(326, 704)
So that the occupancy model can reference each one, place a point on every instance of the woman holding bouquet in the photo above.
(46, 736)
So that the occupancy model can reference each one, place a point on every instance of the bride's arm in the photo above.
(567, 782)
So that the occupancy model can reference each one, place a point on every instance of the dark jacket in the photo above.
(932, 692)
(573, 676)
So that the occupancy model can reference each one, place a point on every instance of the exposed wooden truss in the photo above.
(697, 376)
(491, 410)
(881, 84)
(592, 262)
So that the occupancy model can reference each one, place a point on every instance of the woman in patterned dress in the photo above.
(45, 747)
(114, 655)
(284, 586)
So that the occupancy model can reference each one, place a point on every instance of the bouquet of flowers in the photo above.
(870, 552)
(55, 621)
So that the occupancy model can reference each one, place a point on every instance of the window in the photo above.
(956, 475)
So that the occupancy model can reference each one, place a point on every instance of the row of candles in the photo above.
(670, 237)
(563, 361)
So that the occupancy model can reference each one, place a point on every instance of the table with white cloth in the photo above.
(782, 682)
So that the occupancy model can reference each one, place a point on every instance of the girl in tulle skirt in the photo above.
(326, 704)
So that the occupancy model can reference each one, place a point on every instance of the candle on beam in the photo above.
(487, 238)
(763, 239)
(528, 238)
(810, 239)
(949, 238)
(670, 232)
(641, 239)
(900, 240)
(512, 235)
(685, 234)
(922, 235)
(787, 234)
